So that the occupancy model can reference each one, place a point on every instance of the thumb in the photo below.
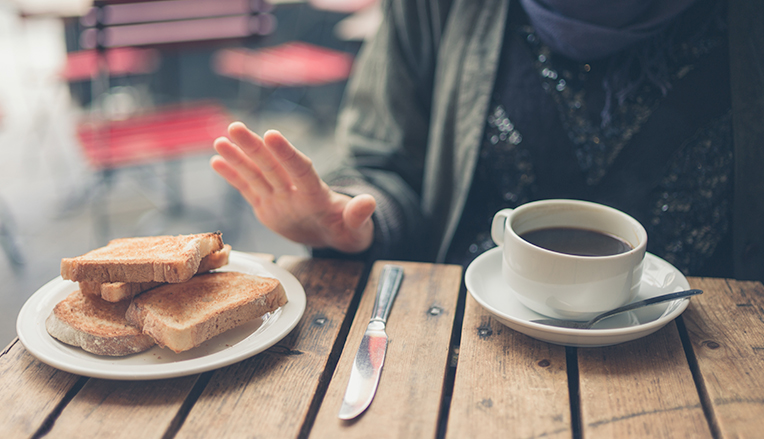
(358, 210)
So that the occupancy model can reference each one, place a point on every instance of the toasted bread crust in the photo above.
(145, 259)
(215, 259)
(117, 291)
(96, 326)
(183, 316)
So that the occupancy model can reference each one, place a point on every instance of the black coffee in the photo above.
(575, 241)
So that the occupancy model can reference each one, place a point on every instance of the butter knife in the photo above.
(370, 357)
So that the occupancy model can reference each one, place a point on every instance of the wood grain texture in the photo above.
(726, 330)
(30, 391)
(123, 409)
(272, 395)
(642, 388)
(507, 384)
(408, 399)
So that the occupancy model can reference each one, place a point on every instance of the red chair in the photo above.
(164, 133)
(124, 61)
(122, 38)
(289, 65)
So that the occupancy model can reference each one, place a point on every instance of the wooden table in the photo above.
(700, 376)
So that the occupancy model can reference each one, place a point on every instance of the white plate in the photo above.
(227, 348)
(484, 282)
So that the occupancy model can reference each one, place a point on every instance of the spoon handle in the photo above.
(641, 303)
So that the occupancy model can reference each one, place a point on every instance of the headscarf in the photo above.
(587, 30)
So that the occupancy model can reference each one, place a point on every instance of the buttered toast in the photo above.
(183, 316)
(144, 259)
(116, 291)
(96, 326)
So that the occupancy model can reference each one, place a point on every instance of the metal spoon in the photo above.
(587, 325)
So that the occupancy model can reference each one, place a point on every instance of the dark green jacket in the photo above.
(413, 118)
(415, 110)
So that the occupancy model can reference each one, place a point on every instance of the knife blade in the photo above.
(367, 366)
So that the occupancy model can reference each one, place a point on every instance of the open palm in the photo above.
(288, 196)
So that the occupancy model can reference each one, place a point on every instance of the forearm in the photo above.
(384, 124)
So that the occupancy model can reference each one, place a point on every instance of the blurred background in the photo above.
(108, 111)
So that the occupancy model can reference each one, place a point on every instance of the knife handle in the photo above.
(389, 283)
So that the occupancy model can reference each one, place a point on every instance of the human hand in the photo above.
(288, 196)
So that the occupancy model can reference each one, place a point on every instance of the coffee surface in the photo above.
(576, 241)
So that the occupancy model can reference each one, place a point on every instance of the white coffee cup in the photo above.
(561, 285)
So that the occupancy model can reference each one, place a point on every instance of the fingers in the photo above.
(299, 166)
(269, 164)
(238, 169)
(229, 173)
(359, 210)
(254, 148)
(356, 217)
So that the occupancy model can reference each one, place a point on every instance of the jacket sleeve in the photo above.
(383, 125)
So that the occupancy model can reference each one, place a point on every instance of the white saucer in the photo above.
(232, 346)
(485, 284)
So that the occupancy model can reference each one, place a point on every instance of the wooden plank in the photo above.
(124, 409)
(726, 330)
(30, 391)
(273, 394)
(507, 384)
(128, 409)
(409, 396)
(642, 388)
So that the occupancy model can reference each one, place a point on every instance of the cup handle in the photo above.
(498, 225)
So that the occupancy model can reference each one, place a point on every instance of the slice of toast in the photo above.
(116, 291)
(96, 326)
(144, 259)
(183, 316)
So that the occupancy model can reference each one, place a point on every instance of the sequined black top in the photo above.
(664, 154)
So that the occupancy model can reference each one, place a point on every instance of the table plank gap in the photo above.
(705, 366)
(50, 420)
(643, 388)
(185, 408)
(37, 392)
(123, 409)
(409, 397)
(729, 369)
(453, 360)
(149, 409)
(574, 391)
(336, 352)
(280, 383)
(705, 400)
(507, 384)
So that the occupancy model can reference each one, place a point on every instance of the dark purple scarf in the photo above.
(587, 30)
